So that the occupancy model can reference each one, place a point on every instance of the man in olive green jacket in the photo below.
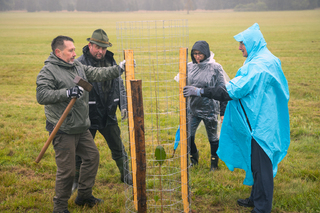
(55, 88)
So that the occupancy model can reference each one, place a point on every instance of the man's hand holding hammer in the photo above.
(75, 92)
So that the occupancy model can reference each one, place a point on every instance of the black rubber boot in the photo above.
(194, 158)
(91, 201)
(245, 202)
(123, 166)
(214, 163)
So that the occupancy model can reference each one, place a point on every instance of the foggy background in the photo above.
(135, 5)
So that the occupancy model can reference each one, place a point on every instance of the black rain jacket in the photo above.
(103, 107)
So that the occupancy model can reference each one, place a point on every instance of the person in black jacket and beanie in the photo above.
(104, 99)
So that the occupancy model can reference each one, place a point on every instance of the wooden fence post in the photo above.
(183, 54)
(129, 75)
(138, 117)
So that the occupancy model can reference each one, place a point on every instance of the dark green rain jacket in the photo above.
(52, 83)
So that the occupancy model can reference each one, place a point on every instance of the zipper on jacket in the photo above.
(245, 115)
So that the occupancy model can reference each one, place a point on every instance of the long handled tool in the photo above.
(86, 86)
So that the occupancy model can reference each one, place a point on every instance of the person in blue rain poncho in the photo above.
(256, 130)
(203, 71)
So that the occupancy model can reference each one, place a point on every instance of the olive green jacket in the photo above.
(52, 83)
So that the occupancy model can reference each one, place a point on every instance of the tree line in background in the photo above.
(135, 5)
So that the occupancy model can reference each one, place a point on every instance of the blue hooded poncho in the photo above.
(262, 89)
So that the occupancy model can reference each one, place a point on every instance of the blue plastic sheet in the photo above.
(177, 139)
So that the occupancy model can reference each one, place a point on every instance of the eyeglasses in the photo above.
(197, 54)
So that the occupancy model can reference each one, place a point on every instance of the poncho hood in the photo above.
(203, 47)
(252, 39)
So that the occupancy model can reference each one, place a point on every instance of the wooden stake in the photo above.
(183, 54)
(138, 117)
(128, 56)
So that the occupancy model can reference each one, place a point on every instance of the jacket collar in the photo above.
(53, 59)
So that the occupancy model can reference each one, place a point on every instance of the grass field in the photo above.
(25, 40)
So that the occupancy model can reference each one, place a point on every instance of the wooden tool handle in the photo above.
(56, 128)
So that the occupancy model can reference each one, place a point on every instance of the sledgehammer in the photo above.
(86, 86)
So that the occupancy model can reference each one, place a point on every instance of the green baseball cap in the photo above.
(100, 38)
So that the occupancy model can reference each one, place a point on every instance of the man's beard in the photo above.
(100, 57)
(71, 61)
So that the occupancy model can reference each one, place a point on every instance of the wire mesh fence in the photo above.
(156, 45)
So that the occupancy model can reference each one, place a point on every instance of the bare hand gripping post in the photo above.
(86, 86)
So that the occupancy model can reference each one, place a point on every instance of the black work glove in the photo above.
(75, 92)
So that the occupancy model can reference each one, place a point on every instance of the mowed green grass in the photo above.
(25, 40)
